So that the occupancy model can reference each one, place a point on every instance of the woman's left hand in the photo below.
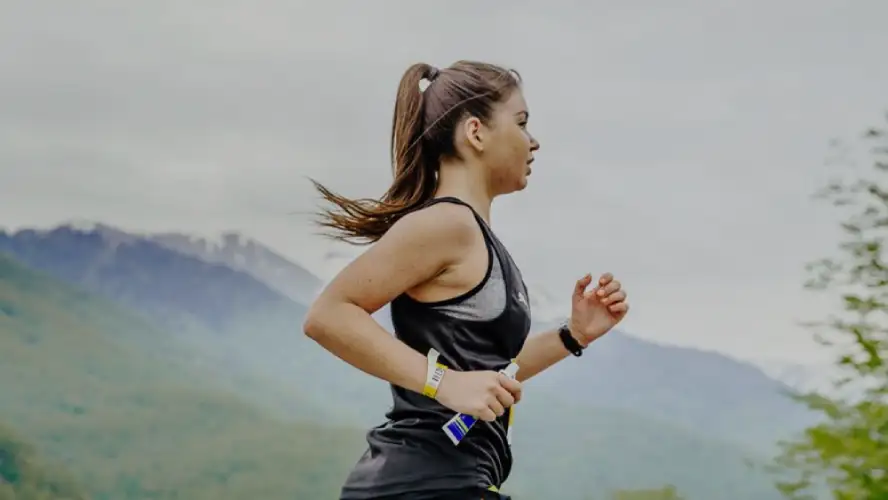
(596, 311)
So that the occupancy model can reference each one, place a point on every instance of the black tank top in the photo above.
(410, 454)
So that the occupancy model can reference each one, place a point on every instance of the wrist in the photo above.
(570, 342)
(577, 336)
(434, 375)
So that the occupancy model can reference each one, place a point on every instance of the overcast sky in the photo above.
(681, 141)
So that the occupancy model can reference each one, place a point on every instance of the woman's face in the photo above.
(509, 147)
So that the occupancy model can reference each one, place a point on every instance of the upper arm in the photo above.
(416, 249)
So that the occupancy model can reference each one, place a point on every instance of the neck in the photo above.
(460, 180)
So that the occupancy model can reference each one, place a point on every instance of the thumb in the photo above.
(580, 289)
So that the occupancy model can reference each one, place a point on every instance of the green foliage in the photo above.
(134, 415)
(24, 476)
(848, 452)
(664, 493)
(135, 422)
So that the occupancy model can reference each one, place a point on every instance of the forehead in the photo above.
(515, 103)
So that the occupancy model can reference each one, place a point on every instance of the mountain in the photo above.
(146, 276)
(658, 414)
(225, 319)
(229, 248)
(133, 420)
(707, 392)
(818, 376)
(249, 256)
(229, 316)
(26, 475)
(256, 328)
(611, 450)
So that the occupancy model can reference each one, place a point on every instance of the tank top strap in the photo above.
(488, 233)
(494, 248)
(448, 199)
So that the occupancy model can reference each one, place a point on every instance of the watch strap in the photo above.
(570, 343)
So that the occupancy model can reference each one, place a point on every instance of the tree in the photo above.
(847, 453)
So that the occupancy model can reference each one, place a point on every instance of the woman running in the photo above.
(459, 306)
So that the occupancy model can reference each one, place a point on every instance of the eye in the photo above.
(522, 124)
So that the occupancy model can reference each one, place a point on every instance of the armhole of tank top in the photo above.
(491, 254)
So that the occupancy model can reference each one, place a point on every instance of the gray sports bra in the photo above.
(485, 305)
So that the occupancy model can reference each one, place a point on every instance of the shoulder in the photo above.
(440, 227)
(417, 248)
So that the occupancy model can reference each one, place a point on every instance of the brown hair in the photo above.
(423, 129)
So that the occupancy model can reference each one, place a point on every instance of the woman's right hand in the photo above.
(481, 394)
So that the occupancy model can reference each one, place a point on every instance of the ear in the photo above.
(474, 131)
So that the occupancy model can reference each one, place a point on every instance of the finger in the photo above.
(581, 285)
(514, 388)
(496, 407)
(511, 385)
(605, 279)
(619, 308)
(505, 397)
(487, 415)
(610, 288)
(615, 297)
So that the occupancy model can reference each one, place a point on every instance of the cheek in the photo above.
(513, 145)
(509, 158)
(521, 150)
(505, 174)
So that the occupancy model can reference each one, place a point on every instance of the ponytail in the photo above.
(423, 128)
(414, 168)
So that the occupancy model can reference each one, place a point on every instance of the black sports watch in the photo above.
(570, 343)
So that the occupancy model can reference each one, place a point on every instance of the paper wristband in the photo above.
(434, 374)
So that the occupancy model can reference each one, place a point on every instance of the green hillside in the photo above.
(592, 451)
(24, 475)
(133, 413)
(132, 421)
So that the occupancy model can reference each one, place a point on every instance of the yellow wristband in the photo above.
(434, 374)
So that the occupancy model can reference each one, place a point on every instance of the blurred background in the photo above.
(157, 252)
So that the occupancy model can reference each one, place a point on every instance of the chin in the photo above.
(521, 184)
(515, 181)
(512, 187)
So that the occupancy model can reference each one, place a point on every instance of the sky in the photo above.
(681, 141)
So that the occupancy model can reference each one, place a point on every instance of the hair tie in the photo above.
(431, 73)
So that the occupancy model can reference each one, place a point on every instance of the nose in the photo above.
(534, 144)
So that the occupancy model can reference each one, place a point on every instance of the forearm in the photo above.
(539, 353)
(352, 335)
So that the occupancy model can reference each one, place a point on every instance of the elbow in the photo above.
(313, 327)
(318, 320)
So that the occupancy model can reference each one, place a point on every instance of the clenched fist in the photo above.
(482, 394)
